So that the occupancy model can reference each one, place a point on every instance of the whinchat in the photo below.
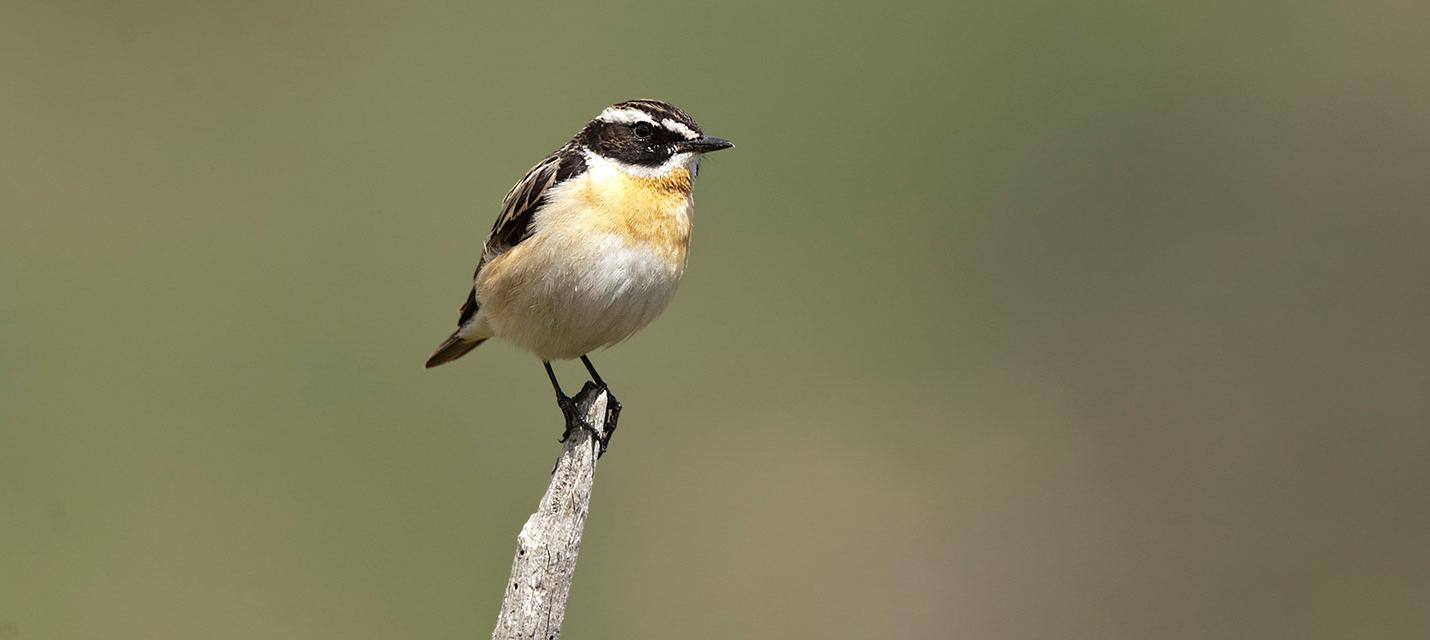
(590, 245)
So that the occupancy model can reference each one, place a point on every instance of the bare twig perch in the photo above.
(535, 601)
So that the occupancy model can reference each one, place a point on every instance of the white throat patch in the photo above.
(596, 163)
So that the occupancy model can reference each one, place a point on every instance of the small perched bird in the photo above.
(591, 244)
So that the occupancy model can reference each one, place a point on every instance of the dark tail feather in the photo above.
(451, 349)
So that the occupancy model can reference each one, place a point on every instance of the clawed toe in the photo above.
(613, 414)
(573, 417)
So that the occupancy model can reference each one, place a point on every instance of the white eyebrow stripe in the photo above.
(624, 116)
(679, 128)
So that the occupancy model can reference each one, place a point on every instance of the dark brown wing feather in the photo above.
(513, 225)
(517, 210)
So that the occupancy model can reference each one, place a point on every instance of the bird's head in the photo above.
(647, 137)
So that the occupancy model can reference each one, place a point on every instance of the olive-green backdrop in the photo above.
(1004, 320)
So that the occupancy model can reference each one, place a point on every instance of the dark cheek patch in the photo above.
(618, 142)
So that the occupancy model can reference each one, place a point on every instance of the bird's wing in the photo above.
(519, 206)
(513, 224)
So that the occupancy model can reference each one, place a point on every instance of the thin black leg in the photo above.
(552, 374)
(594, 375)
(567, 405)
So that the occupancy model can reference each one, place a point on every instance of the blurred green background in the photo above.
(1004, 320)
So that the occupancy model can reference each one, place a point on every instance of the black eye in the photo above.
(642, 130)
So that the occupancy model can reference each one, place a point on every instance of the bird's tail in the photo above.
(455, 346)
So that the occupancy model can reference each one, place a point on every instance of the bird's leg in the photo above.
(613, 406)
(594, 374)
(567, 405)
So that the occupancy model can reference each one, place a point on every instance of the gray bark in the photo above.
(540, 582)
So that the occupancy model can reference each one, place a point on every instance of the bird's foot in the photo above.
(574, 410)
(571, 411)
(613, 415)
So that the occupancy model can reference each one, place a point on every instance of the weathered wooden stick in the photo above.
(535, 601)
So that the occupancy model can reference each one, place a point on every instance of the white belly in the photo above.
(565, 295)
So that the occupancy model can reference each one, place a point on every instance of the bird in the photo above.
(589, 246)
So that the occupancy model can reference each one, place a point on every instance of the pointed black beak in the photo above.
(703, 145)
